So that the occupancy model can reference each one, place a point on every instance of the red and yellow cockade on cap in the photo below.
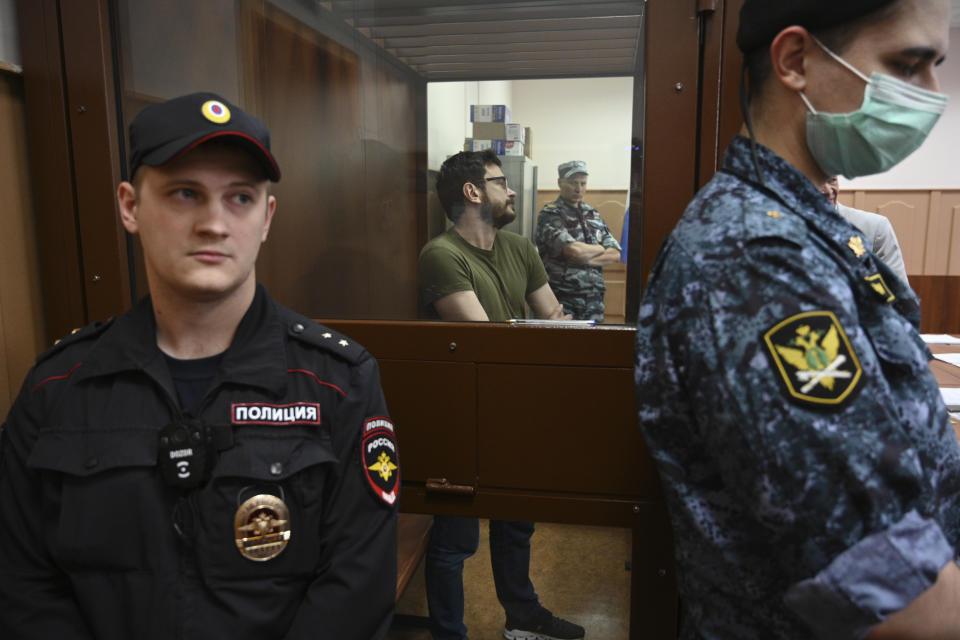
(215, 111)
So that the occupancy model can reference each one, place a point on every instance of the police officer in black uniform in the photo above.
(210, 464)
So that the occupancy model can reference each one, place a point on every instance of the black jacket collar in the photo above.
(256, 356)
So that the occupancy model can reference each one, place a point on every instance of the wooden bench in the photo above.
(413, 533)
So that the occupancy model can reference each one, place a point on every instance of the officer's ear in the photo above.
(127, 202)
(271, 209)
(790, 52)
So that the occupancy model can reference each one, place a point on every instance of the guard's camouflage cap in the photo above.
(571, 168)
(762, 20)
(164, 131)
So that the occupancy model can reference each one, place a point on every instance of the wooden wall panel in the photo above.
(936, 257)
(542, 434)
(926, 223)
(307, 90)
(437, 438)
(21, 311)
(6, 389)
(905, 211)
(949, 204)
(45, 91)
(671, 143)
(345, 128)
(939, 303)
(95, 145)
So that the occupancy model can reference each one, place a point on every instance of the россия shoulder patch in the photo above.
(378, 456)
(813, 357)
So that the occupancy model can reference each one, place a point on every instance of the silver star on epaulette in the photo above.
(328, 335)
(344, 343)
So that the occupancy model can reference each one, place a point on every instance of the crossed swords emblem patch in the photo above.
(814, 358)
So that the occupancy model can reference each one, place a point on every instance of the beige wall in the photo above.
(21, 324)
(927, 224)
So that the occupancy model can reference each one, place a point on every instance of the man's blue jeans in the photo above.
(453, 540)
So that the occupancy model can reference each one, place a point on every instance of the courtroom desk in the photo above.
(947, 375)
(527, 423)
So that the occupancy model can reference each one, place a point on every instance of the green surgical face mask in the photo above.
(892, 123)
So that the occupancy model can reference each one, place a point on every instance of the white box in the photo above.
(489, 113)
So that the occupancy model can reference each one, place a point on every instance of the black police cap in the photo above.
(762, 20)
(166, 130)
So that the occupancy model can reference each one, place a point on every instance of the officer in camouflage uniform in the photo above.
(811, 473)
(575, 244)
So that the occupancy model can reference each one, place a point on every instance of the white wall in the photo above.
(936, 165)
(448, 114)
(587, 119)
(9, 34)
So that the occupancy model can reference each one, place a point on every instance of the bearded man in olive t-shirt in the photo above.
(501, 278)
(477, 272)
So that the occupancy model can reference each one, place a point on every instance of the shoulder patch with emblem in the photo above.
(378, 456)
(813, 358)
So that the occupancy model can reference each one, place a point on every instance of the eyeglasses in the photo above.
(501, 179)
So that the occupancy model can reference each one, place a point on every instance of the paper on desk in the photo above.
(949, 358)
(951, 397)
(540, 322)
(939, 338)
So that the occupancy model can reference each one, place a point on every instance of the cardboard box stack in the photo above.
(492, 129)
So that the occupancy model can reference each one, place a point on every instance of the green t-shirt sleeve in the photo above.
(536, 274)
(441, 272)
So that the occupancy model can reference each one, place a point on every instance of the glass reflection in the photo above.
(366, 100)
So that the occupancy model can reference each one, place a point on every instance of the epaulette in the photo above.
(761, 221)
(88, 332)
(316, 334)
(550, 206)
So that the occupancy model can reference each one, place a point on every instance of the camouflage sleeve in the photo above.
(607, 240)
(551, 234)
(876, 577)
(820, 413)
